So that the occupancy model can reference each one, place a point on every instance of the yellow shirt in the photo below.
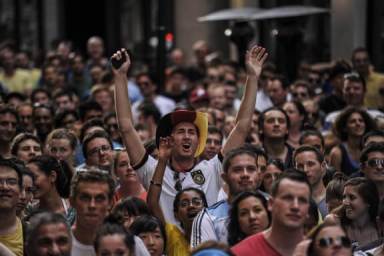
(177, 245)
(19, 82)
(14, 242)
(372, 97)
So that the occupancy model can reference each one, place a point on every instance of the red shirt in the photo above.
(254, 245)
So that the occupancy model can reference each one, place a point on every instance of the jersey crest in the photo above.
(198, 177)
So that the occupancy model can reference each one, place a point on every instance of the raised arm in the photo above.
(131, 139)
(154, 191)
(255, 59)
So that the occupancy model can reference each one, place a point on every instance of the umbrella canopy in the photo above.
(288, 12)
(240, 14)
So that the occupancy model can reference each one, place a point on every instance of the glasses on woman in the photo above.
(343, 241)
(195, 202)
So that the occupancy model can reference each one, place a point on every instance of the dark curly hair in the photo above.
(339, 127)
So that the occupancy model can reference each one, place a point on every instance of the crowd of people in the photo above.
(97, 158)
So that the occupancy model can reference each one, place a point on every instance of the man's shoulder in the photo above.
(249, 245)
(255, 243)
(218, 205)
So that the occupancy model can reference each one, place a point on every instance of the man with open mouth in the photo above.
(188, 130)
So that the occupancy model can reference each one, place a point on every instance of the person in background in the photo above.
(350, 127)
(249, 215)
(25, 146)
(274, 125)
(358, 212)
(112, 239)
(152, 232)
(362, 63)
(289, 207)
(25, 114)
(61, 144)
(129, 183)
(8, 122)
(297, 119)
(11, 230)
(43, 120)
(48, 234)
(91, 196)
(311, 161)
(329, 239)
(372, 165)
(26, 195)
(52, 180)
(128, 209)
(214, 143)
(187, 204)
(274, 168)
(334, 191)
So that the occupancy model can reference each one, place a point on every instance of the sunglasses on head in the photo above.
(375, 163)
(352, 75)
(340, 240)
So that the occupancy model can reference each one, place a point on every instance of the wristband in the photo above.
(156, 184)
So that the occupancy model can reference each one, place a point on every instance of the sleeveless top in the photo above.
(348, 165)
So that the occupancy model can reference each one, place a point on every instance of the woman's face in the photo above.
(293, 113)
(356, 125)
(28, 149)
(113, 245)
(154, 242)
(332, 241)
(61, 149)
(26, 194)
(43, 183)
(124, 170)
(269, 176)
(354, 204)
(252, 216)
(190, 205)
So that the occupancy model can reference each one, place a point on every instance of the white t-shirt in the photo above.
(79, 249)
(205, 176)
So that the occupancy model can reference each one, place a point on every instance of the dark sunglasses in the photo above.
(302, 94)
(341, 240)
(375, 163)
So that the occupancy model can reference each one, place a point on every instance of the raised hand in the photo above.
(255, 59)
(165, 148)
(118, 56)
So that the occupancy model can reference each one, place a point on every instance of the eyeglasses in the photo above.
(341, 240)
(11, 182)
(375, 163)
(195, 202)
(101, 149)
(297, 94)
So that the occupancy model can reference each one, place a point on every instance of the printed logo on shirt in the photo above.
(198, 177)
